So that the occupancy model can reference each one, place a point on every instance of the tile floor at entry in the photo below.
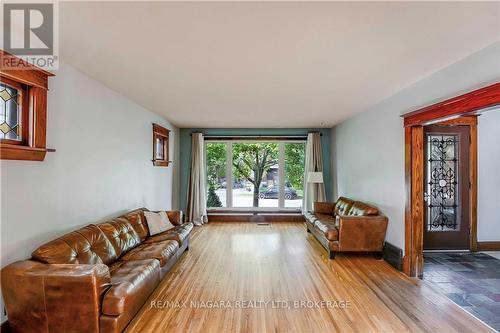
(471, 280)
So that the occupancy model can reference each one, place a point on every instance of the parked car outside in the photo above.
(273, 193)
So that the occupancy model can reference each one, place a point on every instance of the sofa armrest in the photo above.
(362, 233)
(175, 216)
(54, 298)
(324, 207)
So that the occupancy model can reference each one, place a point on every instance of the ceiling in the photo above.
(274, 64)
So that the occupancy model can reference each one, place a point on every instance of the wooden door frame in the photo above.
(460, 110)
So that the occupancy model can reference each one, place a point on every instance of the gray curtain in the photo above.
(196, 201)
(314, 163)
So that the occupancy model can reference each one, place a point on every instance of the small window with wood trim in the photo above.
(23, 110)
(14, 123)
(160, 145)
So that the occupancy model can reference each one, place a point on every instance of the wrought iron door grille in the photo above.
(442, 185)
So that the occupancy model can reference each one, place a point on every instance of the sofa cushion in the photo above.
(329, 228)
(179, 233)
(87, 245)
(121, 234)
(131, 284)
(325, 218)
(161, 251)
(342, 206)
(324, 207)
(361, 209)
(138, 222)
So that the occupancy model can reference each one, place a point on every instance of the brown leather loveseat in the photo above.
(347, 226)
(94, 279)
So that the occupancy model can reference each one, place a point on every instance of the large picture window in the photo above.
(255, 175)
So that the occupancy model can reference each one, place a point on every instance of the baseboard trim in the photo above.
(393, 255)
(488, 246)
(254, 218)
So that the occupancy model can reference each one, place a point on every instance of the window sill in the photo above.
(253, 211)
(22, 153)
(257, 217)
(161, 163)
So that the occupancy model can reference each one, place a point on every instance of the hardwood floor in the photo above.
(237, 262)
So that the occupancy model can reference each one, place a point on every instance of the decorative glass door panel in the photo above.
(442, 186)
(446, 187)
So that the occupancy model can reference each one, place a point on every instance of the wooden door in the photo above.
(446, 188)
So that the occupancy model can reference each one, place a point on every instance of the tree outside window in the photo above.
(255, 172)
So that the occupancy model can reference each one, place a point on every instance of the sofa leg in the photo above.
(378, 255)
(332, 255)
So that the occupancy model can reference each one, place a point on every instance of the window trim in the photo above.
(160, 132)
(229, 174)
(32, 146)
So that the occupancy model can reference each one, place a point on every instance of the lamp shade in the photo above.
(315, 177)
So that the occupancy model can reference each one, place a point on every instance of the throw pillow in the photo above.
(157, 222)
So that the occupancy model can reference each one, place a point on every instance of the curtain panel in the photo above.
(314, 163)
(196, 201)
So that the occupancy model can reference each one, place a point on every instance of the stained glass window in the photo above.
(9, 113)
(160, 145)
(442, 185)
(159, 148)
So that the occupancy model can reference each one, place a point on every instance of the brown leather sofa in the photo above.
(94, 279)
(347, 226)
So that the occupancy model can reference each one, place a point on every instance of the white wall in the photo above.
(488, 179)
(368, 149)
(368, 161)
(102, 167)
